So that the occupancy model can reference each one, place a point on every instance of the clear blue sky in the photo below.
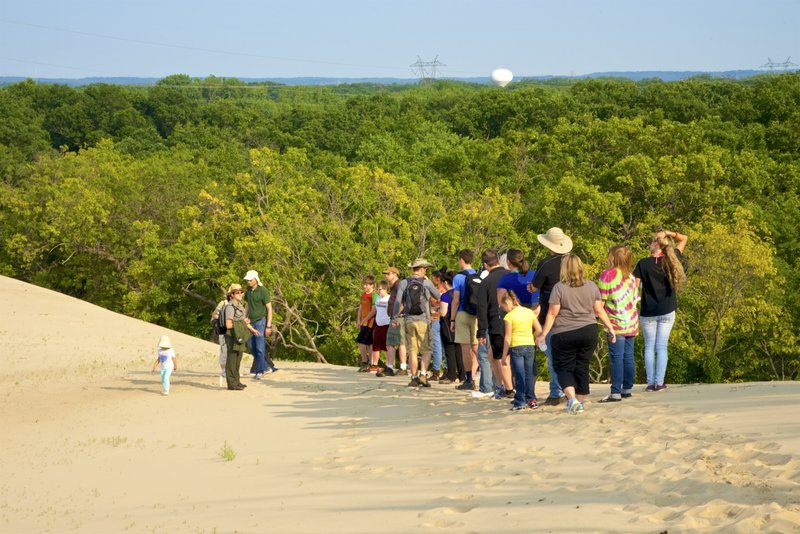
(381, 38)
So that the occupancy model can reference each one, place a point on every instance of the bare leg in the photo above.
(426, 361)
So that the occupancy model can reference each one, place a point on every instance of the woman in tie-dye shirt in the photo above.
(620, 293)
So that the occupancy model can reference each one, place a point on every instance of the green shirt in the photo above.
(257, 300)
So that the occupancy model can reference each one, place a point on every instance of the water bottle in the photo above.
(543, 346)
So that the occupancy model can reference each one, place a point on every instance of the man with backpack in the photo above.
(413, 304)
(464, 321)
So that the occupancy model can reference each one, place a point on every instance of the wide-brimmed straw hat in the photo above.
(164, 343)
(556, 240)
(419, 262)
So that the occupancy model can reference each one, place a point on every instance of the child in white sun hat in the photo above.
(165, 357)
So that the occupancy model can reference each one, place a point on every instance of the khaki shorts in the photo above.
(418, 336)
(466, 328)
(396, 335)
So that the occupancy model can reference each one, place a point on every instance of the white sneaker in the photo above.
(165, 393)
(481, 395)
(259, 376)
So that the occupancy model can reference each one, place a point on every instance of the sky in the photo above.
(382, 38)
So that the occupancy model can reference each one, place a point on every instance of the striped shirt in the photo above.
(620, 297)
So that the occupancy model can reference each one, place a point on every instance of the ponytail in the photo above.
(672, 265)
(516, 258)
(510, 296)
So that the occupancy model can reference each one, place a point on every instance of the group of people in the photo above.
(480, 327)
(242, 322)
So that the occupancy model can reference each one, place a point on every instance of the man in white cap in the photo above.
(548, 274)
(259, 311)
(413, 303)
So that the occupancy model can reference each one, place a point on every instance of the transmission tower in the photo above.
(426, 70)
(772, 65)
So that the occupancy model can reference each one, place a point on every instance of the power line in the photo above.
(208, 50)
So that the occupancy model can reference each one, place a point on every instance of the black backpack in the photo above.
(414, 297)
(218, 324)
(470, 297)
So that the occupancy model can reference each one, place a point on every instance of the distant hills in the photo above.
(667, 76)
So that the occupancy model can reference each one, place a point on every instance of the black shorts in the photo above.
(496, 342)
(364, 336)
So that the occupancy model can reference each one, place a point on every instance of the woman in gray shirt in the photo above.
(575, 306)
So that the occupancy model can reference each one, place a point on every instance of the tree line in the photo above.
(149, 200)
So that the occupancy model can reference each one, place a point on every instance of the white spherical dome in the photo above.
(502, 77)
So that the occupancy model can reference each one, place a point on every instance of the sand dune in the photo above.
(90, 446)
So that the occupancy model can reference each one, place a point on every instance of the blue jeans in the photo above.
(522, 366)
(258, 347)
(555, 387)
(623, 370)
(436, 336)
(487, 384)
(656, 332)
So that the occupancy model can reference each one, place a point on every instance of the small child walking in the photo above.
(165, 357)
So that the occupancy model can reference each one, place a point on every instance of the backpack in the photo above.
(218, 324)
(414, 297)
(470, 297)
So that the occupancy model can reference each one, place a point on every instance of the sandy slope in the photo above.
(90, 445)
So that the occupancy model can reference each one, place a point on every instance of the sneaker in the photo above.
(516, 408)
(466, 386)
(552, 401)
(627, 395)
(533, 404)
(482, 395)
(650, 387)
(611, 398)
(387, 371)
(661, 387)
(415, 383)
(165, 393)
(574, 406)
(259, 376)
(423, 381)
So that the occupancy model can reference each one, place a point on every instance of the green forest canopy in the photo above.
(149, 200)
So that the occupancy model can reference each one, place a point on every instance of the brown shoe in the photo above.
(435, 375)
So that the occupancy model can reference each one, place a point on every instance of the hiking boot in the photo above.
(552, 401)
(401, 372)
(436, 375)
(423, 381)
(415, 383)
(466, 386)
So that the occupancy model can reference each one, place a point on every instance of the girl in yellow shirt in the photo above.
(518, 347)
